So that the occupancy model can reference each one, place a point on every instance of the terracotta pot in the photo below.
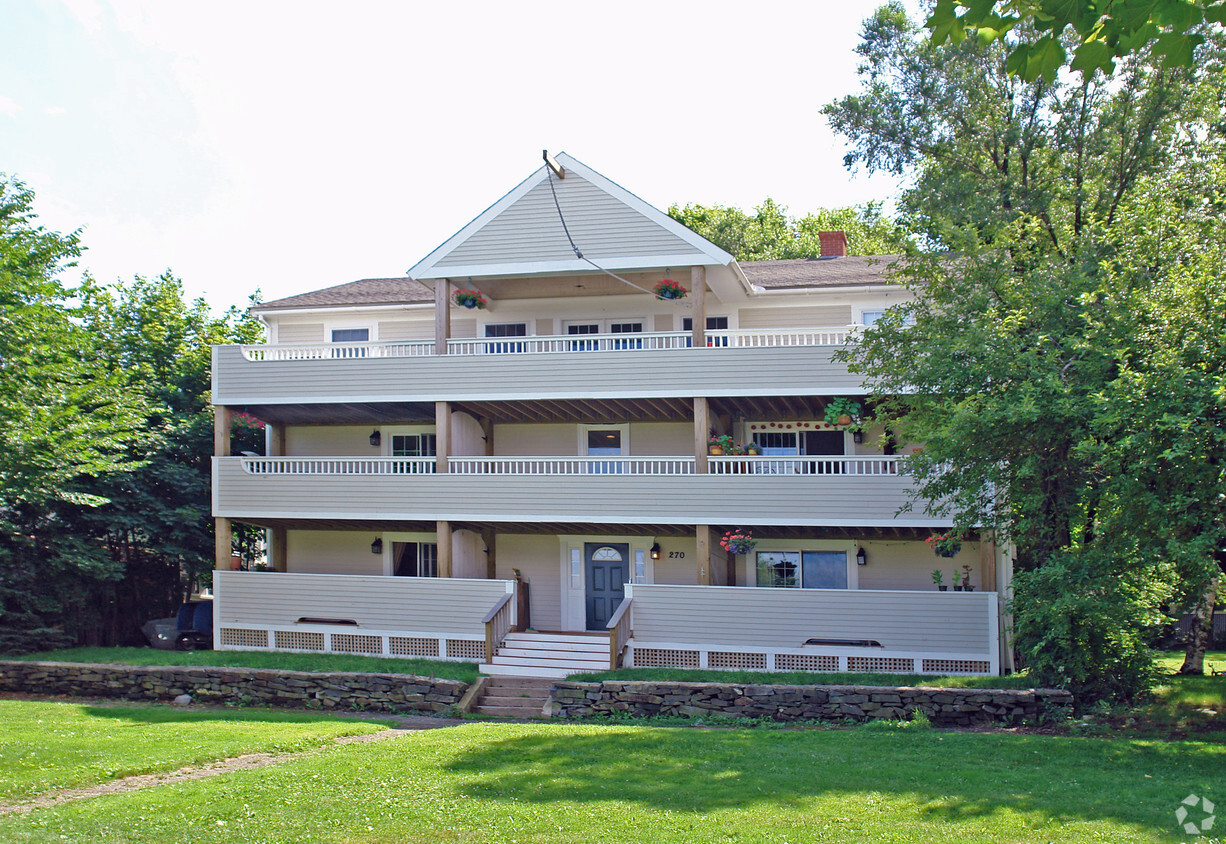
(844, 419)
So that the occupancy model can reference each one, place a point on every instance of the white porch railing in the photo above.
(719, 465)
(764, 629)
(439, 618)
(650, 341)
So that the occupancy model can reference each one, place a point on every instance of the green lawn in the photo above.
(465, 672)
(45, 746)
(487, 782)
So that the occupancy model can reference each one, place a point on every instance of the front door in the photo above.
(607, 571)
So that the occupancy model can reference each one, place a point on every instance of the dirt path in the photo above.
(407, 724)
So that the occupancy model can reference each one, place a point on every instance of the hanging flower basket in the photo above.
(738, 541)
(470, 299)
(669, 289)
(944, 545)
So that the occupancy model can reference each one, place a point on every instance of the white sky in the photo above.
(290, 146)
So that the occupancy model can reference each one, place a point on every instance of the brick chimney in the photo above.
(834, 244)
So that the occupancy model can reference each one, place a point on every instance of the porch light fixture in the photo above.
(376, 547)
(655, 550)
(376, 438)
(861, 557)
(857, 437)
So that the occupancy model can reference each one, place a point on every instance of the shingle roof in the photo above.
(367, 291)
(800, 272)
(820, 272)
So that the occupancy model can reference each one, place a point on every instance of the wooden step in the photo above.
(550, 653)
(543, 661)
(571, 638)
(497, 670)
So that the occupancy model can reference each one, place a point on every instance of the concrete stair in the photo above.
(514, 697)
(549, 655)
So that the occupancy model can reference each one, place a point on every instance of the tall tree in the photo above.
(1103, 31)
(1000, 364)
(770, 234)
(63, 421)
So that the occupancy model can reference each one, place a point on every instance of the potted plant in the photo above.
(738, 541)
(945, 545)
(720, 445)
(966, 579)
(752, 449)
(842, 411)
(470, 299)
(939, 580)
(957, 585)
(669, 289)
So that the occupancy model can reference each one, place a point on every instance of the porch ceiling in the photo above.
(585, 528)
(679, 409)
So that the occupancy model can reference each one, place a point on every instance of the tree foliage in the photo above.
(770, 234)
(1026, 364)
(1103, 31)
(105, 435)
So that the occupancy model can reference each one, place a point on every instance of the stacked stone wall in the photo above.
(330, 690)
(944, 707)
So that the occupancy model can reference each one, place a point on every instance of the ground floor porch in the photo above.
(648, 624)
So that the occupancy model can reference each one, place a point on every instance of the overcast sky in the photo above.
(289, 146)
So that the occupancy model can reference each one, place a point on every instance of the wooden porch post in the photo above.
(443, 538)
(221, 525)
(491, 566)
(442, 315)
(702, 433)
(442, 435)
(487, 433)
(280, 554)
(698, 281)
(276, 439)
(702, 533)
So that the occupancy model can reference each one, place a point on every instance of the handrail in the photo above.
(740, 338)
(544, 465)
(619, 632)
(497, 624)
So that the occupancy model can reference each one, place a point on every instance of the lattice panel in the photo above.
(465, 649)
(240, 638)
(299, 640)
(806, 662)
(413, 646)
(880, 663)
(354, 643)
(664, 658)
(735, 661)
(957, 666)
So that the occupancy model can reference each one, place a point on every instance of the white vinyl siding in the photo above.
(290, 334)
(814, 316)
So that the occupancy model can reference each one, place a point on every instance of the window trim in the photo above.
(799, 548)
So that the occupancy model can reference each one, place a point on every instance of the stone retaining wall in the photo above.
(944, 707)
(334, 690)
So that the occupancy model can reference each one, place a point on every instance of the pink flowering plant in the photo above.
(244, 420)
(738, 541)
(945, 545)
(669, 289)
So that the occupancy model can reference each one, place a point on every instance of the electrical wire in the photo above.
(578, 254)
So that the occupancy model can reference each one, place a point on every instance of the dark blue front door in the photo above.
(607, 568)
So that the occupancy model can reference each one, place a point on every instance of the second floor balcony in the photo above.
(662, 364)
(861, 491)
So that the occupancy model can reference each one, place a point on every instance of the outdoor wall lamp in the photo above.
(375, 438)
(857, 437)
(655, 551)
(376, 547)
(861, 557)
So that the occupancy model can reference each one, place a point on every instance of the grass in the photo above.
(546, 783)
(805, 678)
(465, 672)
(45, 746)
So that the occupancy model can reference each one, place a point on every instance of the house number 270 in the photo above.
(676, 555)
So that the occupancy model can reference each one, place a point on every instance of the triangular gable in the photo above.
(522, 234)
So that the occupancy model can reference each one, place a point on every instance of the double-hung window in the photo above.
(342, 336)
